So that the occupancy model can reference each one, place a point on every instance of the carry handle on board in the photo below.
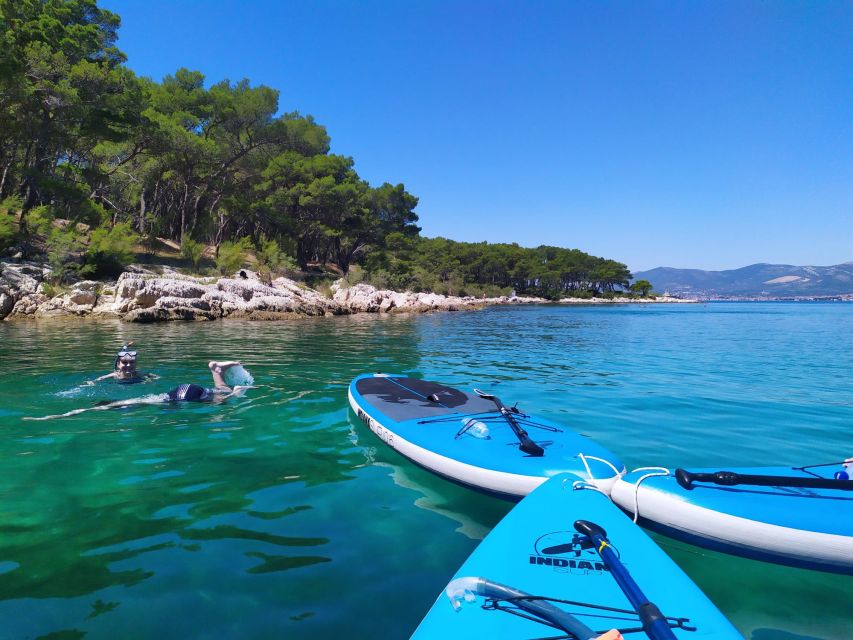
(654, 622)
(730, 479)
(527, 445)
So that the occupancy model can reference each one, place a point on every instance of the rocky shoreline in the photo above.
(625, 300)
(140, 295)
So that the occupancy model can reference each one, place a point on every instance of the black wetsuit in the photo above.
(190, 393)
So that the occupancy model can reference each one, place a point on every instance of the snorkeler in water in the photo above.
(195, 393)
(124, 368)
(220, 391)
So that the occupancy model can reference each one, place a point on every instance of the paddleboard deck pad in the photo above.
(797, 526)
(464, 437)
(536, 550)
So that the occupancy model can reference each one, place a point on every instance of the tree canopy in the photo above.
(82, 138)
(446, 266)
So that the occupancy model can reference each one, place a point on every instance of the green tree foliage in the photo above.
(110, 249)
(272, 257)
(643, 287)
(213, 164)
(269, 254)
(232, 255)
(445, 266)
(192, 251)
(174, 159)
(63, 91)
(62, 243)
(8, 228)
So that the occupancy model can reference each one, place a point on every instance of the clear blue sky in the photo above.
(687, 134)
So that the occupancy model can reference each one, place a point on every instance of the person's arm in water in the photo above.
(142, 376)
(217, 370)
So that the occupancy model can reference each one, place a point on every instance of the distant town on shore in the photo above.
(755, 282)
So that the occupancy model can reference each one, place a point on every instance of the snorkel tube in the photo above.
(466, 589)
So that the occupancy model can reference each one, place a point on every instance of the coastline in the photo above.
(141, 295)
(626, 300)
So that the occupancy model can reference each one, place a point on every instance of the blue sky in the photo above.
(689, 134)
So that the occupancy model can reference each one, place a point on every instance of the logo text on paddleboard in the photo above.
(565, 551)
(386, 436)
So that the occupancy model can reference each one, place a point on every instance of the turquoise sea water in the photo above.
(278, 515)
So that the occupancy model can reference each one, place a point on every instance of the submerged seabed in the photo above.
(279, 515)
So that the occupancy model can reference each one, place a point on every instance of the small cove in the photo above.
(279, 515)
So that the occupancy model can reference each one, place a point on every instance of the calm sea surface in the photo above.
(278, 515)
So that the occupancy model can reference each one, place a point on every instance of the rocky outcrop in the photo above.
(623, 300)
(19, 288)
(81, 300)
(7, 303)
(25, 277)
(140, 295)
(364, 298)
(28, 304)
(145, 298)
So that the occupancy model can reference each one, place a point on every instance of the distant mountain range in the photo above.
(756, 280)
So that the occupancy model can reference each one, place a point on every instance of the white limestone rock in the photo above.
(28, 304)
(7, 303)
(135, 291)
(21, 279)
(144, 296)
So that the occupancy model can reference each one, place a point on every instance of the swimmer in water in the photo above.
(124, 368)
(220, 391)
(195, 393)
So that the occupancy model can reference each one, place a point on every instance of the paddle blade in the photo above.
(531, 448)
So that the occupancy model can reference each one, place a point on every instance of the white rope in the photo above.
(577, 485)
(591, 483)
(584, 459)
(655, 472)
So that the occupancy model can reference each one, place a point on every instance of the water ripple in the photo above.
(280, 515)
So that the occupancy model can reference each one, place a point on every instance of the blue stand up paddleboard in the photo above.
(801, 516)
(566, 563)
(474, 439)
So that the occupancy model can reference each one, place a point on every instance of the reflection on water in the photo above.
(279, 515)
(476, 514)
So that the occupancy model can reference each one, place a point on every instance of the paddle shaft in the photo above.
(527, 445)
(654, 622)
(730, 479)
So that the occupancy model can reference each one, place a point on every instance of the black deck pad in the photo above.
(407, 398)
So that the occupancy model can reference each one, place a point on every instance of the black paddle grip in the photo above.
(723, 478)
(590, 529)
(684, 478)
(731, 479)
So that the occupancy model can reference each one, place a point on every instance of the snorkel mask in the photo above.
(123, 353)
